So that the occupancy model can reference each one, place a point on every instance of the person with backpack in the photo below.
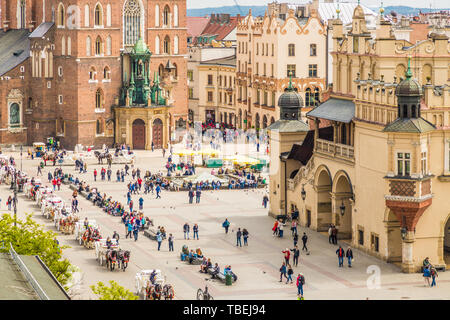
(300, 283)
(170, 239)
(349, 256)
(186, 231)
(245, 236)
(265, 200)
(340, 253)
(226, 225)
(158, 191)
(283, 271)
(290, 272)
(141, 203)
(433, 276)
(427, 275)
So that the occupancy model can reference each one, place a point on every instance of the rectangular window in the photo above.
(290, 70)
(361, 237)
(403, 164)
(374, 242)
(257, 68)
(265, 98)
(423, 163)
(60, 99)
(273, 49)
(312, 70)
(190, 74)
(257, 97)
(291, 50)
(355, 44)
(220, 96)
(313, 50)
(264, 69)
(210, 79)
(257, 48)
(272, 70)
(210, 96)
(191, 93)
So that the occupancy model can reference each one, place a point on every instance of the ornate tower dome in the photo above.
(408, 94)
(290, 103)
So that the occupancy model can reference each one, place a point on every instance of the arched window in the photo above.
(98, 17)
(132, 22)
(264, 122)
(61, 16)
(166, 16)
(308, 98)
(157, 15)
(161, 70)
(86, 15)
(98, 99)
(14, 115)
(316, 97)
(291, 50)
(98, 46)
(69, 46)
(106, 73)
(157, 41)
(175, 45)
(92, 74)
(63, 46)
(175, 16)
(166, 47)
(272, 120)
(88, 46)
(108, 46)
(257, 121)
(99, 127)
(108, 15)
(21, 22)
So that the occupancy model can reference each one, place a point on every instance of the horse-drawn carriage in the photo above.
(39, 148)
(151, 284)
(80, 228)
(65, 220)
(52, 204)
(89, 237)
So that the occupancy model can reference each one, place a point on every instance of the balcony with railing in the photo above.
(335, 150)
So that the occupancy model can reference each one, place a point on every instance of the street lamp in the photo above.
(342, 207)
(404, 231)
(15, 200)
(21, 149)
(303, 193)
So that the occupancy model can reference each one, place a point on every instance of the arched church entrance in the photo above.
(157, 133)
(138, 134)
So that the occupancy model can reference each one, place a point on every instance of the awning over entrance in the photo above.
(334, 109)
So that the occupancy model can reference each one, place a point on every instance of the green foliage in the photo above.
(29, 238)
(115, 292)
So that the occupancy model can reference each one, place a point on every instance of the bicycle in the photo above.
(204, 295)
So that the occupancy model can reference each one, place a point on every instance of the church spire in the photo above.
(408, 73)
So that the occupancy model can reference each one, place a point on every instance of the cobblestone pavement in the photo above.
(257, 265)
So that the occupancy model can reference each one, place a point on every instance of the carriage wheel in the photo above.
(200, 294)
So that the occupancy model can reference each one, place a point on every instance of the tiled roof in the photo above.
(288, 126)
(41, 30)
(221, 29)
(416, 125)
(334, 109)
(14, 49)
(195, 25)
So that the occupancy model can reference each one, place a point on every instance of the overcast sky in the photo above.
(219, 3)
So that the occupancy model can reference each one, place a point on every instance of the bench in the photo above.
(220, 275)
(195, 261)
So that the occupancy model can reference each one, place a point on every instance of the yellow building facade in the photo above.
(376, 161)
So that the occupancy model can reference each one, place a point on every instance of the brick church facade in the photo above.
(64, 64)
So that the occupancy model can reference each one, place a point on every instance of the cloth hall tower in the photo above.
(66, 64)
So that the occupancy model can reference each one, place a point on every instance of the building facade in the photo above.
(375, 162)
(69, 81)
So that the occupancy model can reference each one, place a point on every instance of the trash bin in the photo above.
(228, 279)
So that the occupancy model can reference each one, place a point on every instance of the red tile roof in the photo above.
(195, 25)
(221, 29)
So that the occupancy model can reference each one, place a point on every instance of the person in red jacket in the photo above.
(139, 181)
(341, 254)
(287, 255)
(58, 183)
(95, 174)
(54, 183)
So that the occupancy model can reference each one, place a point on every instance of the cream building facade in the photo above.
(377, 160)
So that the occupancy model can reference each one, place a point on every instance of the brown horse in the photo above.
(101, 156)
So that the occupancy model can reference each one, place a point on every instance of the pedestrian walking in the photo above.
(296, 254)
(238, 237)
(433, 276)
(135, 231)
(283, 271)
(427, 275)
(275, 228)
(300, 283)
(9, 203)
(95, 174)
(265, 200)
(281, 225)
(334, 232)
(330, 234)
(186, 231)
(170, 239)
(116, 236)
(304, 240)
(287, 255)
(39, 170)
(129, 229)
(191, 195)
(158, 191)
(349, 255)
(294, 227)
(159, 239)
(245, 236)
(290, 272)
(340, 253)
(108, 173)
(153, 146)
(197, 195)
(295, 239)
(226, 225)
(141, 203)
(195, 229)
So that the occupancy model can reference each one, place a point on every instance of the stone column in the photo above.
(128, 138)
(407, 253)
(148, 141)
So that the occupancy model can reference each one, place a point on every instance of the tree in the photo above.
(29, 238)
(115, 292)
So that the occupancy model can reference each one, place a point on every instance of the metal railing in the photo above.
(37, 288)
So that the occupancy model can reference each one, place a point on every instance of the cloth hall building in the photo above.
(375, 159)
(92, 72)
